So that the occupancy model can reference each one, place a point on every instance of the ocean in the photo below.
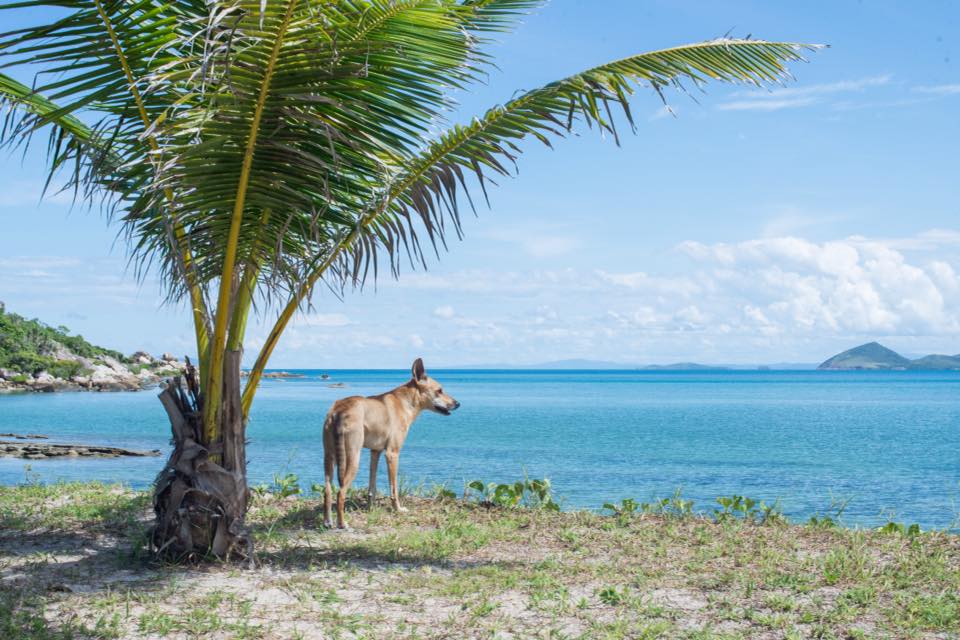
(885, 444)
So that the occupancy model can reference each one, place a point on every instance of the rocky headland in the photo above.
(37, 357)
(97, 373)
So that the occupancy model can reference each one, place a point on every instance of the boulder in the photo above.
(115, 364)
(62, 353)
(168, 357)
(45, 382)
(108, 379)
(170, 367)
(142, 357)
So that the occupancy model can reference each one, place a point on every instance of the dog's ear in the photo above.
(419, 373)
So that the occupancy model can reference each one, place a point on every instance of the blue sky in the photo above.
(752, 226)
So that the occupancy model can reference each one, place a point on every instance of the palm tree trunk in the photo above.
(200, 498)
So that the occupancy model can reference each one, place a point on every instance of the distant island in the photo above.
(684, 366)
(580, 364)
(873, 356)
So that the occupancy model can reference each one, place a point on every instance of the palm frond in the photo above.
(429, 188)
(497, 15)
(357, 88)
(72, 145)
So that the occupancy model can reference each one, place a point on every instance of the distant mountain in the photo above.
(872, 355)
(579, 363)
(875, 356)
(684, 366)
(604, 365)
(936, 362)
(574, 363)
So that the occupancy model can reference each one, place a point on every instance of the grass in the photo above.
(72, 566)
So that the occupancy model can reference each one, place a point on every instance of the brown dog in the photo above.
(379, 423)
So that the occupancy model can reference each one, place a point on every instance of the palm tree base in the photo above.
(200, 497)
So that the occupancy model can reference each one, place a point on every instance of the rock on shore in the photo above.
(99, 373)
(43, 451)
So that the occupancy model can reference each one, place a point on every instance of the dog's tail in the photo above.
(339, 446)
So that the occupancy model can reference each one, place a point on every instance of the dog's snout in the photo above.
(456, 404)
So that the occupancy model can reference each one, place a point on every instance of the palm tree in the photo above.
(253, 149)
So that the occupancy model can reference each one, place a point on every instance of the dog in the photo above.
(379, 423)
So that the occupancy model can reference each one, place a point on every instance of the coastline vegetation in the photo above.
(30, 346)
(74, 564)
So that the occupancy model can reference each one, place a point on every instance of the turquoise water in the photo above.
(889, 442)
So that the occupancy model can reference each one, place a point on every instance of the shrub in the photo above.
(748, 509)
(899, 528)
(28, 345)
(65, 369)
(527, 493)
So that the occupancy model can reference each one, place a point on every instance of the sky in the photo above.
(747, 226)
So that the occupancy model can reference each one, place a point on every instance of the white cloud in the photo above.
(792, 221)
(730, 299)
(538, 238)
(549, 246)
(38, 262)
(939, 89)
(664, 111)
(782, 297)
(766, 104)
(640, 281)
(799, 96)
(27, 195)
(851, 286)
(929, 240)
(446, 311)
(323, 320)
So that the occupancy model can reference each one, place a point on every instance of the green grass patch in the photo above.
(455, 568)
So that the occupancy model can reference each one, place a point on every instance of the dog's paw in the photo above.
(402, 509)
(328, 524)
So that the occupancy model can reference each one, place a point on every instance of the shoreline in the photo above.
(118, 378)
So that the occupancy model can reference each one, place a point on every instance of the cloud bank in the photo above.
(763, 299)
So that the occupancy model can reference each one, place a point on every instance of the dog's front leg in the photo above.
(372, 489)
(393, 462)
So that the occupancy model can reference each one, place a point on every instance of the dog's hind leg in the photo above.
(352, 441)
(393, 464)
(372, 488)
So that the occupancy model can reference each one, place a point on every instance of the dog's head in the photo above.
(431, 392)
